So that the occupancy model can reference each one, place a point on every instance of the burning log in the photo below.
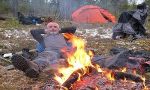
(73, 78)
(127, 76)
(76, 75)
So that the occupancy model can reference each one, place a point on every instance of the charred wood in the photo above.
(123, 75)
(74, 76)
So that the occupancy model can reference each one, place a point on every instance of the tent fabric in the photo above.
(92, 14)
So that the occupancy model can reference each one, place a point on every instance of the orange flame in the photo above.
(79, 59)
(145, 87)
(124, 69)
(98, 68)
(109, 74)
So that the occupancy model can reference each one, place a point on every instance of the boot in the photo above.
(28, 67)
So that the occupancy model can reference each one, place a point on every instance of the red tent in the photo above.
(92, 14)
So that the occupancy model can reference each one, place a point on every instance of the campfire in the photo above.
(81, 73)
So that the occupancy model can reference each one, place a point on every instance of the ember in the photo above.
(101, 82)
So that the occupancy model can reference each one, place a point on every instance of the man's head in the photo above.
(52, 28)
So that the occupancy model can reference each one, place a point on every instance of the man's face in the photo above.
(52, 28)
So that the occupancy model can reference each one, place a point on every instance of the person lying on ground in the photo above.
(40, 46)
(52, 42)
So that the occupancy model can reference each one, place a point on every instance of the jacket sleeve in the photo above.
(71, 30)
(37, 35)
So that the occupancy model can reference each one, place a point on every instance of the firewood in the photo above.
(74, 76)
(123, 75)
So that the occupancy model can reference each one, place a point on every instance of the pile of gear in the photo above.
(130, 23)
(29, 19)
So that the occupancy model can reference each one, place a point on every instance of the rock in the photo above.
(118, 61)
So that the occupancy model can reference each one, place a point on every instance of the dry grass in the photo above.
(14, 79)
